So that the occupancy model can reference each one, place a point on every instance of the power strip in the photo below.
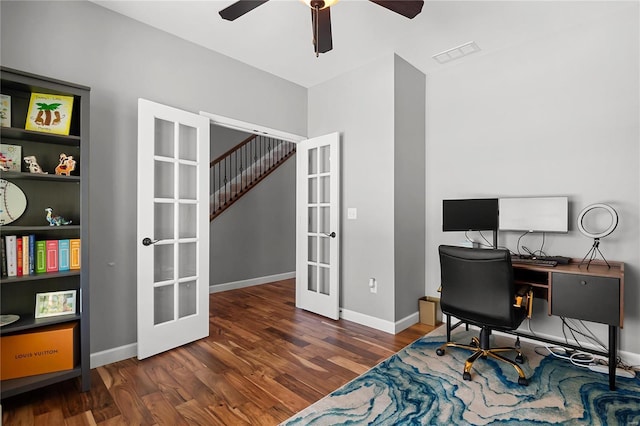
(629, 374)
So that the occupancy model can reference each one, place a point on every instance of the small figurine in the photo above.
(55, 220)
(66, 166)
(33, 165)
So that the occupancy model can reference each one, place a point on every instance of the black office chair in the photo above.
(478, 289)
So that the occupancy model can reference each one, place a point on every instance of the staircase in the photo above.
(238, 170)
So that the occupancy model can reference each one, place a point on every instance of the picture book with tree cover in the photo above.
(49, 113)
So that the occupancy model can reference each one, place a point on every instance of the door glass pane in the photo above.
(324, 250)
(163, 221)
(324, 220)
(188, 258)
(163, 262)
(163, 304)
(187, 219)
(313, 161)
(163, 180)
(323, 284)
(188, 182)
(163, 138)
(312, 278)
(188, 145)
(324, 189)
(313, 190)
(187, 299)
(313, 219)
(313, 249)
(325, 164)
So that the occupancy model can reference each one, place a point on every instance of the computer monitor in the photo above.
(479, 214)
(534, 214)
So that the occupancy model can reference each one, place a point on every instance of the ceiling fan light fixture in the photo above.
(322, 4)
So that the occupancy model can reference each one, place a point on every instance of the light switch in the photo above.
(352, 213)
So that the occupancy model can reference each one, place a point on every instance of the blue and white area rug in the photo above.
(417, 387)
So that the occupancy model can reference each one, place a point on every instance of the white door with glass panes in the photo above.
(318, 225)
(173, 228)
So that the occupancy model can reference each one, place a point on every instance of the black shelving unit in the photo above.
(70, 196)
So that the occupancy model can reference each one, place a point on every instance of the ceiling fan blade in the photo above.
(409, 9)
(323, 36)
(239, 8)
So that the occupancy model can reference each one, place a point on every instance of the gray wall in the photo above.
(368, 106)
(553, 116)
(359, 104)
(122, 60)
(409, 180)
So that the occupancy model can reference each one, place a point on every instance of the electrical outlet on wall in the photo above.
(373, 285)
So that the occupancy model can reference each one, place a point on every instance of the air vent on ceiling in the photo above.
(456, 52)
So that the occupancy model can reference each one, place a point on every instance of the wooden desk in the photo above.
(594, 293)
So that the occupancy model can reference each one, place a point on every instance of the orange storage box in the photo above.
(44, 350)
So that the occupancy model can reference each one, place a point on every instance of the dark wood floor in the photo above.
(264, 361)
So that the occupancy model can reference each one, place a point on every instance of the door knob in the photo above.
(147, 241)
(332, 235)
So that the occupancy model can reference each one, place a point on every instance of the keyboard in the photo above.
(529, 261)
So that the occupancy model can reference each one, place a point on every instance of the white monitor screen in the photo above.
(535, 214)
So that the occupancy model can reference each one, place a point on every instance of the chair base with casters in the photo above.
(481, 348)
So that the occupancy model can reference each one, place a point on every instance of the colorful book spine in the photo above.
(3, 243)
(19, 252)
(64, 255)
(41, 257)
(32, 254)
(11, 242)
(74, 250)
(25, 255)
(52, 255)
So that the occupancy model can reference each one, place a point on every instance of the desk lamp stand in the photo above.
(592, 253)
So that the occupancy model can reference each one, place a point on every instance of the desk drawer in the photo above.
(586, 297)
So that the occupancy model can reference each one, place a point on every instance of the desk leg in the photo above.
(613, 355)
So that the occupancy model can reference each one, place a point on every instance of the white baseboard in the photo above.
(217, 288)
(98, 359)
(380, 324)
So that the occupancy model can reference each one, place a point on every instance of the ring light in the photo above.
(612, 226)
(595, 249)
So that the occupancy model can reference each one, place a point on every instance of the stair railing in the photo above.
(239, 169)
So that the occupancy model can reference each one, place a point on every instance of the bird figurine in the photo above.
(55, 220)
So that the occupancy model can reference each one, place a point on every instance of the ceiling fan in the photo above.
(321, 16)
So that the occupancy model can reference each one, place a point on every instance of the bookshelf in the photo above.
(68, 196)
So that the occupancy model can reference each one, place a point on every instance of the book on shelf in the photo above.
(49, 113)
(10, 248)
(41, 256)
(4, 257)
(32, 254)
(19, 254)
(11, 157)
(5, 110)
(52, 255)
(63, 255)
(25, 255)
(74, 253)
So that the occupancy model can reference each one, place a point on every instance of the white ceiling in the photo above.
(276, 36)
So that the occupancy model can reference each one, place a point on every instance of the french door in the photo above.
(318, 225)
(173, 228)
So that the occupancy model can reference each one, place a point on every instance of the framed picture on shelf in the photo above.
(49, 113)
(5, 110)
(10, 158)
(55, 303)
